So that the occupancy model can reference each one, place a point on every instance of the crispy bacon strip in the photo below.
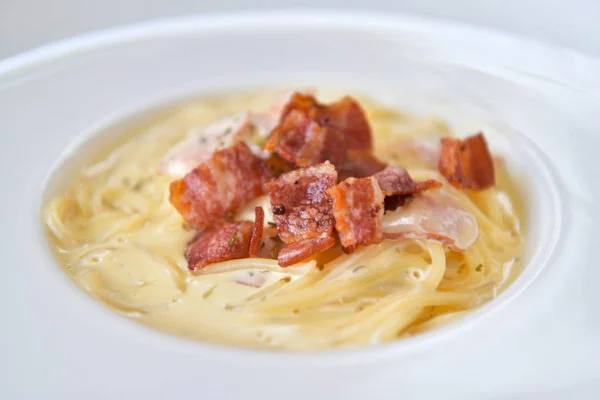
(345, 115)
(467, 163)
(296, 252)
(311, 133)
(225, 241)
(301, 207)
(358, 210)
(302, 211)
(399, 188)
(397, 181)
(257, 231)
(302, 142)
(220, 186)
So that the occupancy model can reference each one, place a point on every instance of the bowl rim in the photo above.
(362, 19)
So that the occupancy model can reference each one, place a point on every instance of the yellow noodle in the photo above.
(175, 271)
(118, 237)
(263, 264)
(436, 322)
(98, 288)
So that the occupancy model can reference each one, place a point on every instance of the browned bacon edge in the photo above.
(358, 204)
(296, 252)
(345, 115)
(302, 142)
(257, 231)
(220, 186)
(399, 188)
(358, 210)
(311, 133)
(225, 241)
(467, 163)
(301, 207)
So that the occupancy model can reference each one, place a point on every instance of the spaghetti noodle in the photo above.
(118, 237)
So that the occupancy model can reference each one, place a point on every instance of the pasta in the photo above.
(118, 237)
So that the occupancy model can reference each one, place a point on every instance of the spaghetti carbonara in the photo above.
(116, 234)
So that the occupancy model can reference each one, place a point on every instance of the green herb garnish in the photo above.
(272, 224)
(479, 267)
(233, 240)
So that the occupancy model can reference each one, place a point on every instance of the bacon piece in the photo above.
(399, 188)
(257, 231)
(393, 202)
(467, 163)
(345, 115)
(226, 241)
(303, 142)
(397, 181)
(297, 140)
(311, 133)
(220, 186)
(360, 164)
(301, 207)
(433, 216)
(357, 209)
(298, 251)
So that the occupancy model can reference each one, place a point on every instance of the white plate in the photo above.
(541, 337)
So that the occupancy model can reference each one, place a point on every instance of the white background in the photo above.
(28, 23)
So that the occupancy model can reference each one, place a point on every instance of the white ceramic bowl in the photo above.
(540, 106)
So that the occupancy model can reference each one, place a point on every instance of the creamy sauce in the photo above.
(116, 235)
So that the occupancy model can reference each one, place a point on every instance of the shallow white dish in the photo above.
(541, 337)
